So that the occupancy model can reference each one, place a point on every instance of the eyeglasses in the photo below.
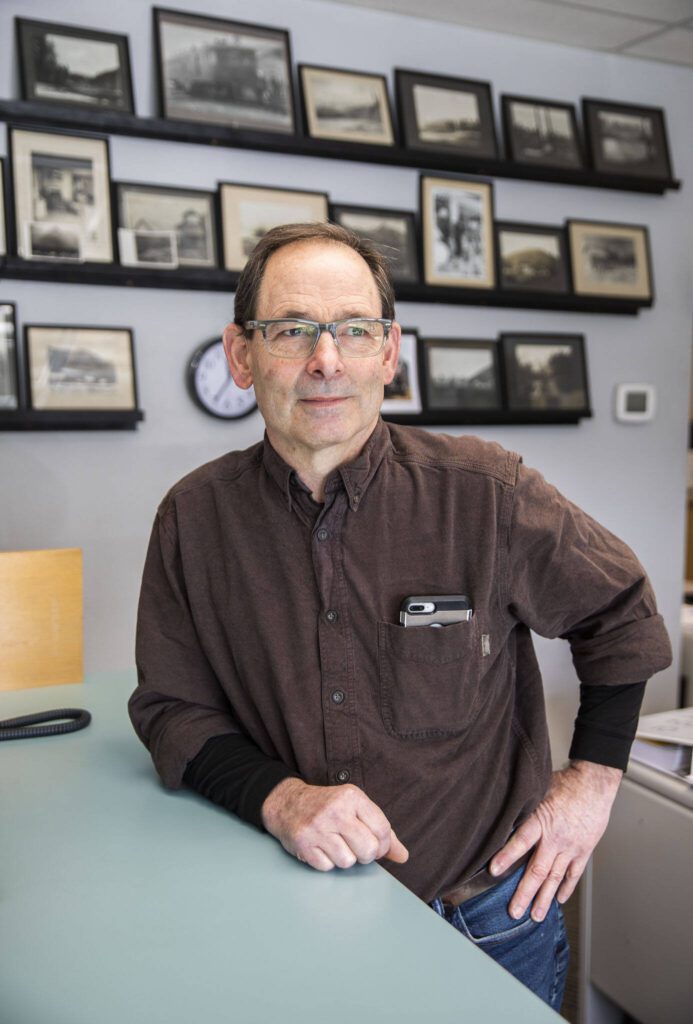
(297, 339)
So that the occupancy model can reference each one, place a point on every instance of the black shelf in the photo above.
(215, 280)
(487, 417)
(33, 114)
(54, 419)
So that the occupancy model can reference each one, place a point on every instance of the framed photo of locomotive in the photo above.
(625, 139)
(215, 71)
(61, 193)
(532, 257)
(457, 232)
(441, 114)
(541, 132)
(610, 259)
(393, 231)
(546, 373)
(163, 226)
(347, 106)
(65, 64)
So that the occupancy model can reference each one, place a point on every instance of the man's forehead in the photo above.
(317, 264)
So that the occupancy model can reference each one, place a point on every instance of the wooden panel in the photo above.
(41, 618)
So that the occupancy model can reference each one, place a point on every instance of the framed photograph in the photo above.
(546, 372)
(610, 259)
(446, 115)
(461, 374)
(81, 67)
(541, 132)
(403, 395)
(3, 221)
(248, 212)
(457, 232)
(215, 71)
(349, 106)
(9, 375)
(61, 191)
(155, 221)
(393, 231)
(626, 139)
(80, 367)
(532, 257)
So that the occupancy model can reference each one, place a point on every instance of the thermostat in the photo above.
(635, 403)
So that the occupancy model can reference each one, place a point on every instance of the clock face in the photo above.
(212, 386)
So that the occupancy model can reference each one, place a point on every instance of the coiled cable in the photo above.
(26, 726)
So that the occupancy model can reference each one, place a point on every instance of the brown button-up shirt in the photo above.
(266, 613)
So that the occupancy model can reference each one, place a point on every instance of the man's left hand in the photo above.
(564, 829)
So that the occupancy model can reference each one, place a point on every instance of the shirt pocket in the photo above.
(429, 678)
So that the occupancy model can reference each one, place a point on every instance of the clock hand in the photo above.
(223, 387)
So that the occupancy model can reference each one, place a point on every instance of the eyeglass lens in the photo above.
(295, 338)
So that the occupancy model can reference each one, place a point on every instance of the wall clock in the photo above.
(212, 387)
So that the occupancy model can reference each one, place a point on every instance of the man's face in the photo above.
(324, 401)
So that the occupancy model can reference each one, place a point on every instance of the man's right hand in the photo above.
(330, 826)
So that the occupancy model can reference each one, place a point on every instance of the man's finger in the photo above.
(367, 846)
(527, 836)
(398, 851)
(572, 877)
(542, 901)
(537, 871)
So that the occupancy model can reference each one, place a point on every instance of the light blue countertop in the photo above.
(121, 903)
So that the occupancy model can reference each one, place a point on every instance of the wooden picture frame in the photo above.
(457, 232)
(626, 139)
(609, 259)
(346, 106)
(444, 114)
(392, 231)
(546, 373)
(542, 133)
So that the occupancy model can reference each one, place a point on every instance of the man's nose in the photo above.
(326, 357)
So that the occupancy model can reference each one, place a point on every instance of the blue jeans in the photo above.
(536, 953)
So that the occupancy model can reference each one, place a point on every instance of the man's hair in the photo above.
(287, 234)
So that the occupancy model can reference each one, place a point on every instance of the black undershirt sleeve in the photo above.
(606, 722)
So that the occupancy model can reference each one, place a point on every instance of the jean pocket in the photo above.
(494, 929)
(429, 678)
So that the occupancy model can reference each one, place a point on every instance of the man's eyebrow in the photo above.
(293, 314)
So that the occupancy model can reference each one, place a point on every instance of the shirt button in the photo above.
(338, 696)
(323, 534)
(332, 615)
(343, 775)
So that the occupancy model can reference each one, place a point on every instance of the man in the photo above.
(275, 678)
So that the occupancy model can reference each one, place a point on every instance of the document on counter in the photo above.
(665, 741)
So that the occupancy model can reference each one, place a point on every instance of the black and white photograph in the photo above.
(189, 214)
(3, 225)
(61, 192)
(442, 114)
(541, 132)
(393, 231)
(457, 233)
(348, 106)
(66, 64)
(139, 247)
(627, 139)
(80, 367)
(546, 372)
(461, 374)
(403, 394)
(248, 212)
(9, 378)
(610, 259)
(531, 257)
(215, 71)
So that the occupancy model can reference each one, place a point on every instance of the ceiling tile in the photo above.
(673, 45)
(658, 10)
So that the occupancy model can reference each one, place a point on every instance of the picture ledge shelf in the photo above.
(64, 419)
(488, 417)
(33, 114)
(207, 279)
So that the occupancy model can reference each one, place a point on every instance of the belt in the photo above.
(480, 882)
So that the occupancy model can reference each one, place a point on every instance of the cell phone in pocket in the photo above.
(435, 610)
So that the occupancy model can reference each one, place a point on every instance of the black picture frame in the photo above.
(393, 231)
(404, 395)
(10, 385)
(196, 231)
(627, 139)
(524, 264)
(610, 259)
(76, 378)
(460, 122)
(551, 379)
(58, 75)
(472, 381)
(541, 133)
(456, 252)
(250, 88)
(59, 202)
(326, 117)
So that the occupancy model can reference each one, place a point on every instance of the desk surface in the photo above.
(123, 903)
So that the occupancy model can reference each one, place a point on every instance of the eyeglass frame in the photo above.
(331, 327)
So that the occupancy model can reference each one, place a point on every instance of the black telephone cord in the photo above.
(26, 726)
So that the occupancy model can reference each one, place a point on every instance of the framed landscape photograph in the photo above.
(441, 114)
(80, 367)
(249, 211)
(80, 67)
(531, 257)
(393, 231)
(61, 192)
(403, 395)
(9, 375)
(627, 139)
(349, 106)
(457, 232)
(546, 372)
(183, 219)
(610, 259)
(215, 71)
(541, 132)
(461, 374)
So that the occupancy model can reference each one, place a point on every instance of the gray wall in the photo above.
(98, 491)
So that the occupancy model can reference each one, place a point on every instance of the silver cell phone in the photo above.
(435, 610)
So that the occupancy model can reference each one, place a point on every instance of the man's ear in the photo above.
(391, 352)
(238, 356)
